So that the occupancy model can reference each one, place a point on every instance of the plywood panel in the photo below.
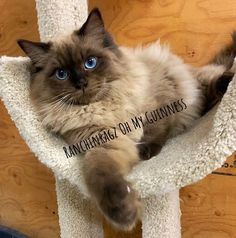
(209, 208)
(195, 30)
(27, 188)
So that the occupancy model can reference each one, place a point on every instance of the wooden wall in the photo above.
(195, 30)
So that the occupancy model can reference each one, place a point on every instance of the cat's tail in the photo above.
(226, 56)
(215, 77)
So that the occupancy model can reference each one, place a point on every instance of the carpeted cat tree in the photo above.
(184, 160)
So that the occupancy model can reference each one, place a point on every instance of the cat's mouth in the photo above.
(84, 95)
(79, 97)
(83, 88)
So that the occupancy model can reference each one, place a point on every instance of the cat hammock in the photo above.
(184, 160)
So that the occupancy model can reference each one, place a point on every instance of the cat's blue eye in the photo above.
(62, 74)
(90, 62)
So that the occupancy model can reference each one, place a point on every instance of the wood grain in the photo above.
(17, 20)
(209, 208)
(195, 30)
(27, 188)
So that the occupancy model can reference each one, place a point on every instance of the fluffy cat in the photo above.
(85, 83)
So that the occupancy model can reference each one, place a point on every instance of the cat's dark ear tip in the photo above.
(20, 42)
(96, 11)
(94, 18)
(233, 35)
(23, 43)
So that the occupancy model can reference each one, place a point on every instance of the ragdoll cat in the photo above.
(85, 83)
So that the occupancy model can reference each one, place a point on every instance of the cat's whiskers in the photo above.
(71, 106)
(56, 105)
(104, 89)
(68, 107)
(52, 99)
(64, 105)
(59, 102)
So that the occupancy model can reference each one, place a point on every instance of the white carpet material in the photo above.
(184, 160)
(78, 216)
(161, 216)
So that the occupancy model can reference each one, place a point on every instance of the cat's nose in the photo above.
(81, 83)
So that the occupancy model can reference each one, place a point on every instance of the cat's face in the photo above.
(77, 68)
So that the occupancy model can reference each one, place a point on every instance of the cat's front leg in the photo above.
(104, 171)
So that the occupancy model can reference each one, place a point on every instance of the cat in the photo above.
(84, 83)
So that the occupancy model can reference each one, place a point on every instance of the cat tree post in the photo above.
(58, 18)
(163, 222)
(78, 217)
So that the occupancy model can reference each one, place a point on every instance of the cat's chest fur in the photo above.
(90, 119)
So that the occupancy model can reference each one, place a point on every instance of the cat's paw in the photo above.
(120, 204)
(144, 151)
(148, 150)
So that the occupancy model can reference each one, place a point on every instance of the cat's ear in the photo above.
(35, 50)
(94, 24)
(94, 27)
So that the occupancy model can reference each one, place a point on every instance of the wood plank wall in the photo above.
(195, 30)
